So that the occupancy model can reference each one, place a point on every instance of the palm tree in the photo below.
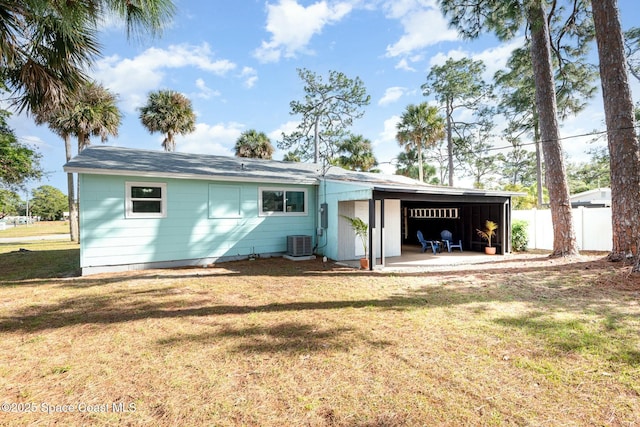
(169, 112)
(406, 166)
(356, 154)
(45, 45)
(420, 126)
(94, 113)
(90, 111)
(254, 144)
(65, 133)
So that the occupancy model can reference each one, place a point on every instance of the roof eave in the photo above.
(447, 190)
(156, 175)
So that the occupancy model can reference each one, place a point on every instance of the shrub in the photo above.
(519, 240)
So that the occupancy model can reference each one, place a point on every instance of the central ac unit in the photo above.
(299, 245)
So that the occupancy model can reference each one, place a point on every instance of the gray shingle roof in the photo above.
(129, 161)
(109, 160)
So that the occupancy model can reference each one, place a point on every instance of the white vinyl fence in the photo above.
(592, 227)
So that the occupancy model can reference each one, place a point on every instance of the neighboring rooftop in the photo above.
(596, 198)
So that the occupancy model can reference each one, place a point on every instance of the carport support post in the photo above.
(382, 232)
(372, 225)
(506, 228)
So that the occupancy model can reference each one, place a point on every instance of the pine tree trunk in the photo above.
(316, 141)
(420, 165)
(450, 142)
(624, 152)
(73, 211)
(564, 239)
(536, 138)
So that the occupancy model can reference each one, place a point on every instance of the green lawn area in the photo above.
(279, 343)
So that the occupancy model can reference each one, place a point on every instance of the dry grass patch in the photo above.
(527, 341)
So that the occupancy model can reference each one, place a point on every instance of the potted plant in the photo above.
(489, 231)
(361, 229)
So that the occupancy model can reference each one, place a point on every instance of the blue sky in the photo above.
(237, 60)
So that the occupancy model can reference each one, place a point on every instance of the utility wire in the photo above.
(582, 135)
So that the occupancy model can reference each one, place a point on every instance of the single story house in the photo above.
(145, 209)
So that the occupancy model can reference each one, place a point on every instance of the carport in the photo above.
(433, 209)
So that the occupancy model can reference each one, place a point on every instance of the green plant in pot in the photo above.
(361, 229)
(489, 231)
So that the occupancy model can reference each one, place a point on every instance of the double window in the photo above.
(149, 200)
(282, 201)
(146, 200)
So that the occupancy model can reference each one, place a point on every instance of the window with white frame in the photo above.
(146, 200)
(282, 201)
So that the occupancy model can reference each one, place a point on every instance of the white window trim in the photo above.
(128, 212)
(284, 190)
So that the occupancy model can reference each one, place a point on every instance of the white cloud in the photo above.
(288, 127)
(276, 135)
(440, 58)
(292, 26)
(385, 146)
(36, 141)
(132, 78)
(267, 52)
(183, 55)
(403, 64)
(391, 95)
(397, 9)
(110, 22)
(494, 58)
(423, 25)
(218, 139)
(205, 91)
(390, 130)
(250, 76)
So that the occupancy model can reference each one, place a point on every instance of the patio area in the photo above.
(412, 259)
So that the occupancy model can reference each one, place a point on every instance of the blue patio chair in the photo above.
(426, 243)
(447, 238)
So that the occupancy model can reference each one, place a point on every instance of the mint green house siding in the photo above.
(336, 192)
(153, 209)
(204, 221)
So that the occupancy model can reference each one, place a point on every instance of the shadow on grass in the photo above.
(544, 291)
(122, 305)
(68, 267)
(287, 337)
(30, 264)
(37, 266)
(108, 309)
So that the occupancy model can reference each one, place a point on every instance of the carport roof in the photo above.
(109, 160)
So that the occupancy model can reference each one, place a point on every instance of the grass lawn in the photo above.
(277, 343)
(40, 228)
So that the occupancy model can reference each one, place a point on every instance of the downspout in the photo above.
(318, 212)
(382, 232)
